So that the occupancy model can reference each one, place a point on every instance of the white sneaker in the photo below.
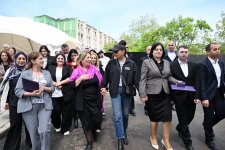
(67, 133)
(98, 130)
(57, 130)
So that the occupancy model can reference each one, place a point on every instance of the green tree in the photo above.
(136, 30)
(220, 33)
(108, 46)
(187, 31)
(183, 31)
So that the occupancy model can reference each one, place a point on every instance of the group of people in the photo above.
(165, 67)
(73, 87)
(69, 88)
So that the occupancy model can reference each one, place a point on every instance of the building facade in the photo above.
(87, 35)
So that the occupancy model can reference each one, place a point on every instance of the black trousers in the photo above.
(62, 114)
(13, 137)
(185, 112)
(211, 118)
(75, 113)
(132, 104)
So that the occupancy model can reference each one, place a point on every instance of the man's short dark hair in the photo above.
(154, 47)
(64, 46)
(208, 47)
(183, 46)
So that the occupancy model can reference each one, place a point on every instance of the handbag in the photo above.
(130, 90)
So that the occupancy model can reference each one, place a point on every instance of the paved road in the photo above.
(138, 133)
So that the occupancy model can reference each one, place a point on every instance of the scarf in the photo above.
(92, 70)
(16, 70)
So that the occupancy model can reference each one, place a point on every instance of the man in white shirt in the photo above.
(104, 59)
(65, 50)
(211, 91)
(170, 53)
(185, 101)
(171, 56)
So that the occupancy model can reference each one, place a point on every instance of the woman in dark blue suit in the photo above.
(63, 95)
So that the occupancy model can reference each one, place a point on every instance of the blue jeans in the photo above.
(121, 108)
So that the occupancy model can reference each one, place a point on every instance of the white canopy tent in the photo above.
(25, 34)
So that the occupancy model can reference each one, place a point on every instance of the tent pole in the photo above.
(32, 48)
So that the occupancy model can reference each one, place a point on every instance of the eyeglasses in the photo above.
(171, 45)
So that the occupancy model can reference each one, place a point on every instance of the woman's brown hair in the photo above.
(32, 56)
(10, 60)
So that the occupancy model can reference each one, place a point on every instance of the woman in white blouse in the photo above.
(63, 95)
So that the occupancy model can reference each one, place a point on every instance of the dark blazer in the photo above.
(50, 61)
(166, 57)
(12, 99)
(112, 75)
(130, 56)
(208, 80)
(143, 58)
(190, 80)
(67, 89)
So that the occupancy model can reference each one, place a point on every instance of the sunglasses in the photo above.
(171, 45)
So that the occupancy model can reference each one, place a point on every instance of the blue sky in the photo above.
(114, 17)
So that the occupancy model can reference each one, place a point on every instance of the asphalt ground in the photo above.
(138, 133)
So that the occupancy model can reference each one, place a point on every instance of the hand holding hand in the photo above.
(58, 84)
(143, 99)
(196, 101)
(59, 87)
(103, 91)
(6, 107)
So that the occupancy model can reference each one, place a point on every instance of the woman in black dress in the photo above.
(87, 79)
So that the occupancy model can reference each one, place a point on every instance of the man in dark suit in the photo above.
(185, 71)
(170, 53)
(171, 56)
(148, 50)
(211, 76)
